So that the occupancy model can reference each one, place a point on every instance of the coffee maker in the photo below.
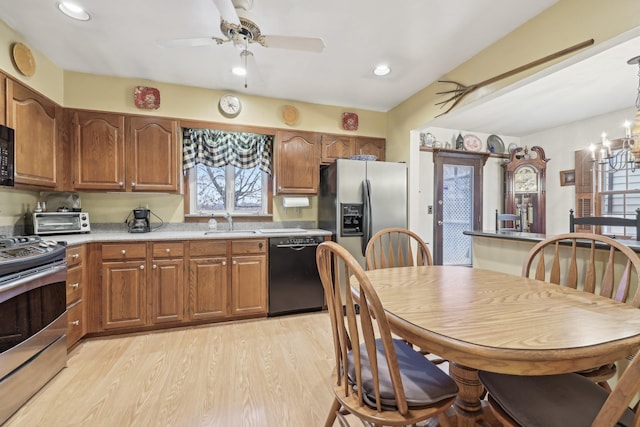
(141, 221)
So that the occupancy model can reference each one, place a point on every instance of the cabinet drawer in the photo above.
(167, 250)
(74, 284)
(208, 248)
(75, 323)
(124, 251)
(75, 255)
(249, 246)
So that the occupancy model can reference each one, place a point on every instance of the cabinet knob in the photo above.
(123, 252)
(133, 184)
(224, 262)
(76, 323)
(75, 256)
(234, 262)
(167, 250)
(74, 285)
(142, 267)
(440, 223)
(121, 184)
(155, 266)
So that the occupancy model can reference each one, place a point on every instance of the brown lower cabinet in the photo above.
(148, 285)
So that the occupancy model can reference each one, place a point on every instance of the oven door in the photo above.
(52, 223)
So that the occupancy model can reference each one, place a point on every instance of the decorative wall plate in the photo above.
(290, 115)
(472, 143)
(349, 121)
(23, 59)
(147, 98)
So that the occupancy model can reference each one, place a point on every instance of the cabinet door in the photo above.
(297, 163)
(336, 147)
(249, 285)
(123, 294)
(167, 290)
(208, 284)
(35, 121)
(369, 145)
(152, 163)
(98, 155)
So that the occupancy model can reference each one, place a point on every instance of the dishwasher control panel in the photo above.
(293, 241)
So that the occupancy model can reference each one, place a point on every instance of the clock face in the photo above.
(526, 180)
(230, 105)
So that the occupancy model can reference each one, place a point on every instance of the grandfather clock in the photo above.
(525, 187)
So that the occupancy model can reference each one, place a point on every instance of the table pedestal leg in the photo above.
(468, 406)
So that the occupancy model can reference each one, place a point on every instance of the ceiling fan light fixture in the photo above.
(73, 11)
(381, 70)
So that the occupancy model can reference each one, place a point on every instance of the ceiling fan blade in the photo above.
(227, 11)
(309, 44)
(193, 42)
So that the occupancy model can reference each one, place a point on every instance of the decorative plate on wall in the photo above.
(147, 98)
(349, 121)
(290, 115)
(23, 59)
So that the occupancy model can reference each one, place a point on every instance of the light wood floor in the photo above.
(267, 372)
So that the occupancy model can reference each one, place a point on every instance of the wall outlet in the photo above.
(430, 210)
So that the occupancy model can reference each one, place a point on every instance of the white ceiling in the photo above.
(421, 40)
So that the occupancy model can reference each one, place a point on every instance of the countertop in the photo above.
(535, 237)
(183, 235)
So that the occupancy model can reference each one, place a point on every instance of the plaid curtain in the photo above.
(219, 148)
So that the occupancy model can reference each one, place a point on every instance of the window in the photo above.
(228, 189)
(228, 171)
(618, 194)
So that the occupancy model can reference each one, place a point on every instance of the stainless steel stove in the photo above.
(33, 317)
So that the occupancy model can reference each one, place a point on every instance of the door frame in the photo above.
(463, 158)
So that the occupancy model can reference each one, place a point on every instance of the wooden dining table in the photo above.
(486, 320)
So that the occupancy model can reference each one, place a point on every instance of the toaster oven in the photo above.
(61, 223)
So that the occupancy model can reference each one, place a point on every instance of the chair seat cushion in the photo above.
(424, 383)
(565, 400)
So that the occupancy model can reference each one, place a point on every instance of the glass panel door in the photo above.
(457, 214)
(458, 207)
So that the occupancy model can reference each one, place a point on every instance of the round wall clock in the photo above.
(230, 105)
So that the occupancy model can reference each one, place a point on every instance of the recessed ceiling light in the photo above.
(381, 70)
(74, 11)
(239, 71)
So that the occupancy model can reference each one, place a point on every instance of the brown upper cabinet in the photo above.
(297, 162)
(127, 153)
(371, 145)
(344, 146)
(36, 121)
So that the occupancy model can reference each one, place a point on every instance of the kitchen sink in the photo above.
(234, 233)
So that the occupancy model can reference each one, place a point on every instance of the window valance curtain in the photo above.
(220, 148)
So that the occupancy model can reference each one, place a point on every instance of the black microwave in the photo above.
(7, 153)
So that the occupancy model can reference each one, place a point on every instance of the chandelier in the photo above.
(627, 155)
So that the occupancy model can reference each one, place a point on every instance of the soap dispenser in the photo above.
(213, 224)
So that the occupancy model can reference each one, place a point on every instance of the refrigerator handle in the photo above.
(366, 214)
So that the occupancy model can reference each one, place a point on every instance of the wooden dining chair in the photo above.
(508, 222)
(566, 400)
(394, 247)
(379, 379)
(589, 273)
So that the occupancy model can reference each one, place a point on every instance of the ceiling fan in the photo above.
(239, 29)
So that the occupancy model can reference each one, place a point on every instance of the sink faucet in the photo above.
(229, 219)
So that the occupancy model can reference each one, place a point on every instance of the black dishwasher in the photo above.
(294, 282)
